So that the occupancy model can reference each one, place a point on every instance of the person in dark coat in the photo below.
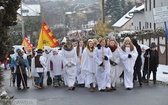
(153, 57)
(21, 70)
(138, 62)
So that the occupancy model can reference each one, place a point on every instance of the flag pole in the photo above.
(166, 41)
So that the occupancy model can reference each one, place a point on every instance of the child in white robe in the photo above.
(88, 66)
(128, 55)
(102, 55)
(55, 66)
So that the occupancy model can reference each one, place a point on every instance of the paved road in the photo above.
(145, 95)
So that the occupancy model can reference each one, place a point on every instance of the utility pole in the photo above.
(22, 20)
(103, 11)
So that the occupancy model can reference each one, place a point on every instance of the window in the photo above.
(154, 25)
(132, 24)
(139, 25)
(150, 5)
(154, 5)
(150, 25)
(146, 5)
(147, 25)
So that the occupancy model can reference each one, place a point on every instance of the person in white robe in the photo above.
(69, 64)
(128, 55)
(47, 54)
(102, 55)
(88, 66)
(79, 50)
(55, 66)
(34, 74)
(115, 61)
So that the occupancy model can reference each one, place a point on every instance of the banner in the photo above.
(46, 38)
(26, 43)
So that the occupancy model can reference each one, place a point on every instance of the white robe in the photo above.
(103, 73)
(128, 64)
(117, 70)
(57, 65)
(70, 72)
(80, 74)
(47, 56)
(88, 68)
(33, 69)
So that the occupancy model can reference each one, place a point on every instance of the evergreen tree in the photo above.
(8, 17)
(113, 8)
(129, 6)
(124, 6)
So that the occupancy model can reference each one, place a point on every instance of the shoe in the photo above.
(13, 84)
(26, 88)
(154, 82)
(73, 88)
(140, 84)
(37, 86)
(102, 90)
(128, 88)
(108, 89)
(91, 89)
(19, 88)
(113, 88)
(82, 85)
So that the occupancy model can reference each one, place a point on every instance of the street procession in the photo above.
(83, 52)
(98, 64)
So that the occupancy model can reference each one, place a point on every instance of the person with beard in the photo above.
(102, 55)
(88, 66)
(69, 64)
(80, 76)
(151, 61)
(115, 61)
(138, 63)
(21, 65)
(55, 66)
(128, 55)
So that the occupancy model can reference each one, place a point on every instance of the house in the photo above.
(143, 18)
(126, 22)
(30, 10)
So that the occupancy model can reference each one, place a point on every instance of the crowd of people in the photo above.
(96, 64)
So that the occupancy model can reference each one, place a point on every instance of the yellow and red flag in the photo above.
(46, 38)
(26, 43)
